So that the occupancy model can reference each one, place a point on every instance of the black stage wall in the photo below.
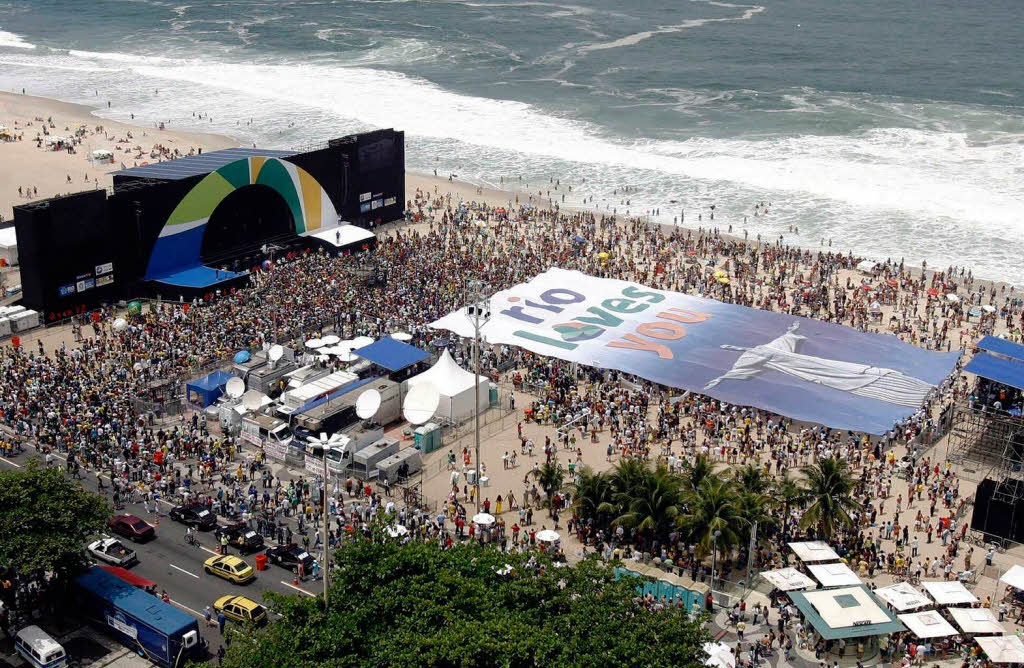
(997, 518)
(82, 250)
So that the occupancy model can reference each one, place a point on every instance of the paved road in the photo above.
(178, 567)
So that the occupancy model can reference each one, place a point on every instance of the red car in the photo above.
(132, 527)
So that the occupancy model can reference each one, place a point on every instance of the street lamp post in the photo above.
(714, 563)
(478, 312)
(324, 449)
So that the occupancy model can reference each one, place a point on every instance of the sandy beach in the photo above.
(26, 164)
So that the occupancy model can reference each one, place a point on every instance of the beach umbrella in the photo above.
(401, 336)
(331, 339)
(952, 297)
(483, 519)
(723, 281)
(396, 531)
(547, 536)
(315, 343)
(241, 357)
(988, 308)
(603, 255)
(866, 288)
(933, 292)
(134, 307)
(119, 324)
(361, 342)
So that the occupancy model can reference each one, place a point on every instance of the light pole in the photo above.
(478, 312)
(324, 449)
(714, 562)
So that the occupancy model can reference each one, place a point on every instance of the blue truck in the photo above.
(153, 629)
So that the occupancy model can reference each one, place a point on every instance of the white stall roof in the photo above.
(1002, 649)
(814, 551)
(789, 579)
(949, 593)
(902, 596)
(1014, 577)
(834, 575)
(866, 265)
(976, 620)
(928, 624)
(843, 608)
(8, 237)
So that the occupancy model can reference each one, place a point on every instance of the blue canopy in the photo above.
(994, 344)
(391, 354)
(997, 369)
(206, 390)
(241, 357)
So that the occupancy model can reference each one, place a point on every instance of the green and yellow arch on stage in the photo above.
(181, 237)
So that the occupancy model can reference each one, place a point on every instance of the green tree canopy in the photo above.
(45, 521)
(418, 605)
(828, 489)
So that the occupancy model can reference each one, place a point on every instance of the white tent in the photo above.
(949, 593)
(866, 266)
(9, 245)
(976, 620)
(814, 550)
(1014, 577)
(929, 624)
(902, 596)
(1002, 649)
(720, 655)
(834, 575)
(456, 387)
(789, 579)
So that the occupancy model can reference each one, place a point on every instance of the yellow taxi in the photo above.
(241, 609)
(229, 567)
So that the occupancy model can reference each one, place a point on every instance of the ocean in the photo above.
(894, 129)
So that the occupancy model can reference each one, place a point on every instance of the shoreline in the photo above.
(24, 164)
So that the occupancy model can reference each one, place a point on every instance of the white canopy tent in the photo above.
(949, 593)
(456, 387)
(1002, 649)
(1014, 577)
(720, 655)
(866, 266)
(788, 579)
(976, 620)
(812, 551)
(9, 245)
(928, 624)
(903, 596)
(834, 575)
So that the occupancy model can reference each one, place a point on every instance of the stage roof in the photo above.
(392, 355)
(994, 344)
(196, 165)
(997, 369)
(851, 612)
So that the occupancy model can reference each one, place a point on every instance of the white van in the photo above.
(39, 649)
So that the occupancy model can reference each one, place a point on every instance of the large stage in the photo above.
(190, 226)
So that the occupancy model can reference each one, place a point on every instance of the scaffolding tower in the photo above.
(986, 443)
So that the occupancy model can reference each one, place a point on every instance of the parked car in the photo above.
(230, 567)
(112, 551)
(290, 556)
(194, 515)
(241, 609)
(131, 527)
(240, 536)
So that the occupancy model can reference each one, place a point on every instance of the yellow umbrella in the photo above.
(724, 281)
(720, 274)
(603, 255)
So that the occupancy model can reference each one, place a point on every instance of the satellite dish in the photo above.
(421, 403)
(368, 404)
(235, 388)
(275, 353)
(252, 400)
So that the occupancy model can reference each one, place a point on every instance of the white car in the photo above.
(112, 551)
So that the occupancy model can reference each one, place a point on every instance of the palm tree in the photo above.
(593, 491)
(628, 475)
(702, 468)
(712, 507)
(787, 493)
(828, 489)
(550, 476)
(653, 507)
(752, 478)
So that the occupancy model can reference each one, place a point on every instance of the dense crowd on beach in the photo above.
(80, 401)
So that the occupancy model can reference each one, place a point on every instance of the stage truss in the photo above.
(987, 444)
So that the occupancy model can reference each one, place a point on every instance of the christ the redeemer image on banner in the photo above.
(863, 380)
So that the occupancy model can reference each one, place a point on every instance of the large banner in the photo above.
(801, 368)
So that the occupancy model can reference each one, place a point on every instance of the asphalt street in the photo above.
(177, 567)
